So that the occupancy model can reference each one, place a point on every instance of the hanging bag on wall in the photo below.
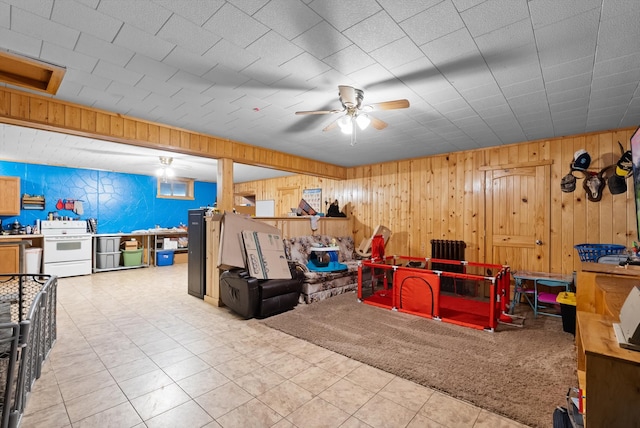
(377, 247)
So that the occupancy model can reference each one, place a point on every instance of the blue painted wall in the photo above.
(120, 202)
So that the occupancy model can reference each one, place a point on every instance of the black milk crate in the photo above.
(28, 331)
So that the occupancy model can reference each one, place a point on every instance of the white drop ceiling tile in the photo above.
(191, 97)
(87, 79)
(631, 119)
(512, 74)
(144, 15)
(68, 90)
(184, 33)
(265, 72)
(35, 26)
(397, 53)
(305, 66)
(164, 102)
(233, 56)
(349, 60)
(90, 3)
(565, 69)
(582, 92)
(5, 15)
(235, 26)
(616, 65)
(322, 40)
(186, 60)
(39, 7)
(403, 9)
(457, 45)
(148, 66)
(374, 32)
(86, 20)
(182, 79)
(615, 47)
(344, 14)
(522, 88)
(101, 99)
(478, 93)
(67, 58)
(288, 17)
(133, 93)
(274, 48)
(468, 74)
(433, 23)
(571, 105)
(613, 8)
(139, 41)
(196, 11)
(229, 79)
(545, 12)
(491, 15)
(372, 75)
(158, 86)
(496, 112)
(578, 36)
(628, 80)
(605, 99)
(506, 38)
(93, 46)
(115, 72)
(481, 104)
(569, 83)
(19, 43)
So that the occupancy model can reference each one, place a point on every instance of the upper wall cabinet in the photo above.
(9, 196)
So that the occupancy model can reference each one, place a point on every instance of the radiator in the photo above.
(448, 250)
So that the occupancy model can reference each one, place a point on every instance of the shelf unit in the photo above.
(32, 202)
(180, 253)
(144, 243)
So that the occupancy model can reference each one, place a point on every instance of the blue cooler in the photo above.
(164, 257)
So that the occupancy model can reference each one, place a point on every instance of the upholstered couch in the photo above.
(316, 285)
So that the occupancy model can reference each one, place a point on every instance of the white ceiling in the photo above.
(477, 73)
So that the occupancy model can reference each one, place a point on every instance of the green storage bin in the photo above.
(132, 257)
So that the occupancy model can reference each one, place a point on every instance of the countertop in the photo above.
(144, 232)
(19, 237)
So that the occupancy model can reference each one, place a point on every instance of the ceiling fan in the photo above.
(356, 113)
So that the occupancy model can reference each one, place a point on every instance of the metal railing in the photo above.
(27, 334)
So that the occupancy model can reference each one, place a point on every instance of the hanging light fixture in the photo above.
(165, 171)
(363, 121)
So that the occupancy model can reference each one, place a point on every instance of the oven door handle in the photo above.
(67, 238)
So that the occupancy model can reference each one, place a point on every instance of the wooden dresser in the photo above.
(609, 375)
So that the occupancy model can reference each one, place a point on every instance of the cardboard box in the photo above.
(265, 255)
(131, 244)
(231, 253)
(170, 244)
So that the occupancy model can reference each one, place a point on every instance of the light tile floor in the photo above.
(135, 350)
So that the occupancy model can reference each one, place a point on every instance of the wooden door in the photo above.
(518, 212)
(9, 196)
(288, 197)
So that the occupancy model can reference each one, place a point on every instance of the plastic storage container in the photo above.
(33, 260)
(108, 260)
(132, 257)
(567, 302)
(592, 252)
(164, 257)
(108, 244)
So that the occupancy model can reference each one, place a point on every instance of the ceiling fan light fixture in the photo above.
(363, 121)
(344, 122)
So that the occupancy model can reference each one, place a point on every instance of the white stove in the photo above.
(67, 248)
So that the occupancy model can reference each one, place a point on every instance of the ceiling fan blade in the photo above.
(377, 123)
(333, 125)
(319, 112)
(389, 105)
(347, 94)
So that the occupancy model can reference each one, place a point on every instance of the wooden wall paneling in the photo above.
(606, 224)
(20, 106)
(429, 225)
(592, 210)
(561, 233)
(404, 204)
(72, 117)
(478, 241)
(5, 103)
(87, 120)
(458, 231)
(620, 231)
(38, 109)
(55, 114)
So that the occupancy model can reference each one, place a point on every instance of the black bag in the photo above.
(561, 418)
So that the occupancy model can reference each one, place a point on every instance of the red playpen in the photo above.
(416, 289)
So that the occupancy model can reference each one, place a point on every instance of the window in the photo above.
(175, 188)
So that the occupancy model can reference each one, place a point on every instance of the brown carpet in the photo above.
(521, 373)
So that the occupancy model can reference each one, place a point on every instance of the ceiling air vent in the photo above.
(30, 73)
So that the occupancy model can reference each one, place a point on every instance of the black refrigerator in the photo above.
(197, 268)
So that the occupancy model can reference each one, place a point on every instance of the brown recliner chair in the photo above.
(250, 297)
